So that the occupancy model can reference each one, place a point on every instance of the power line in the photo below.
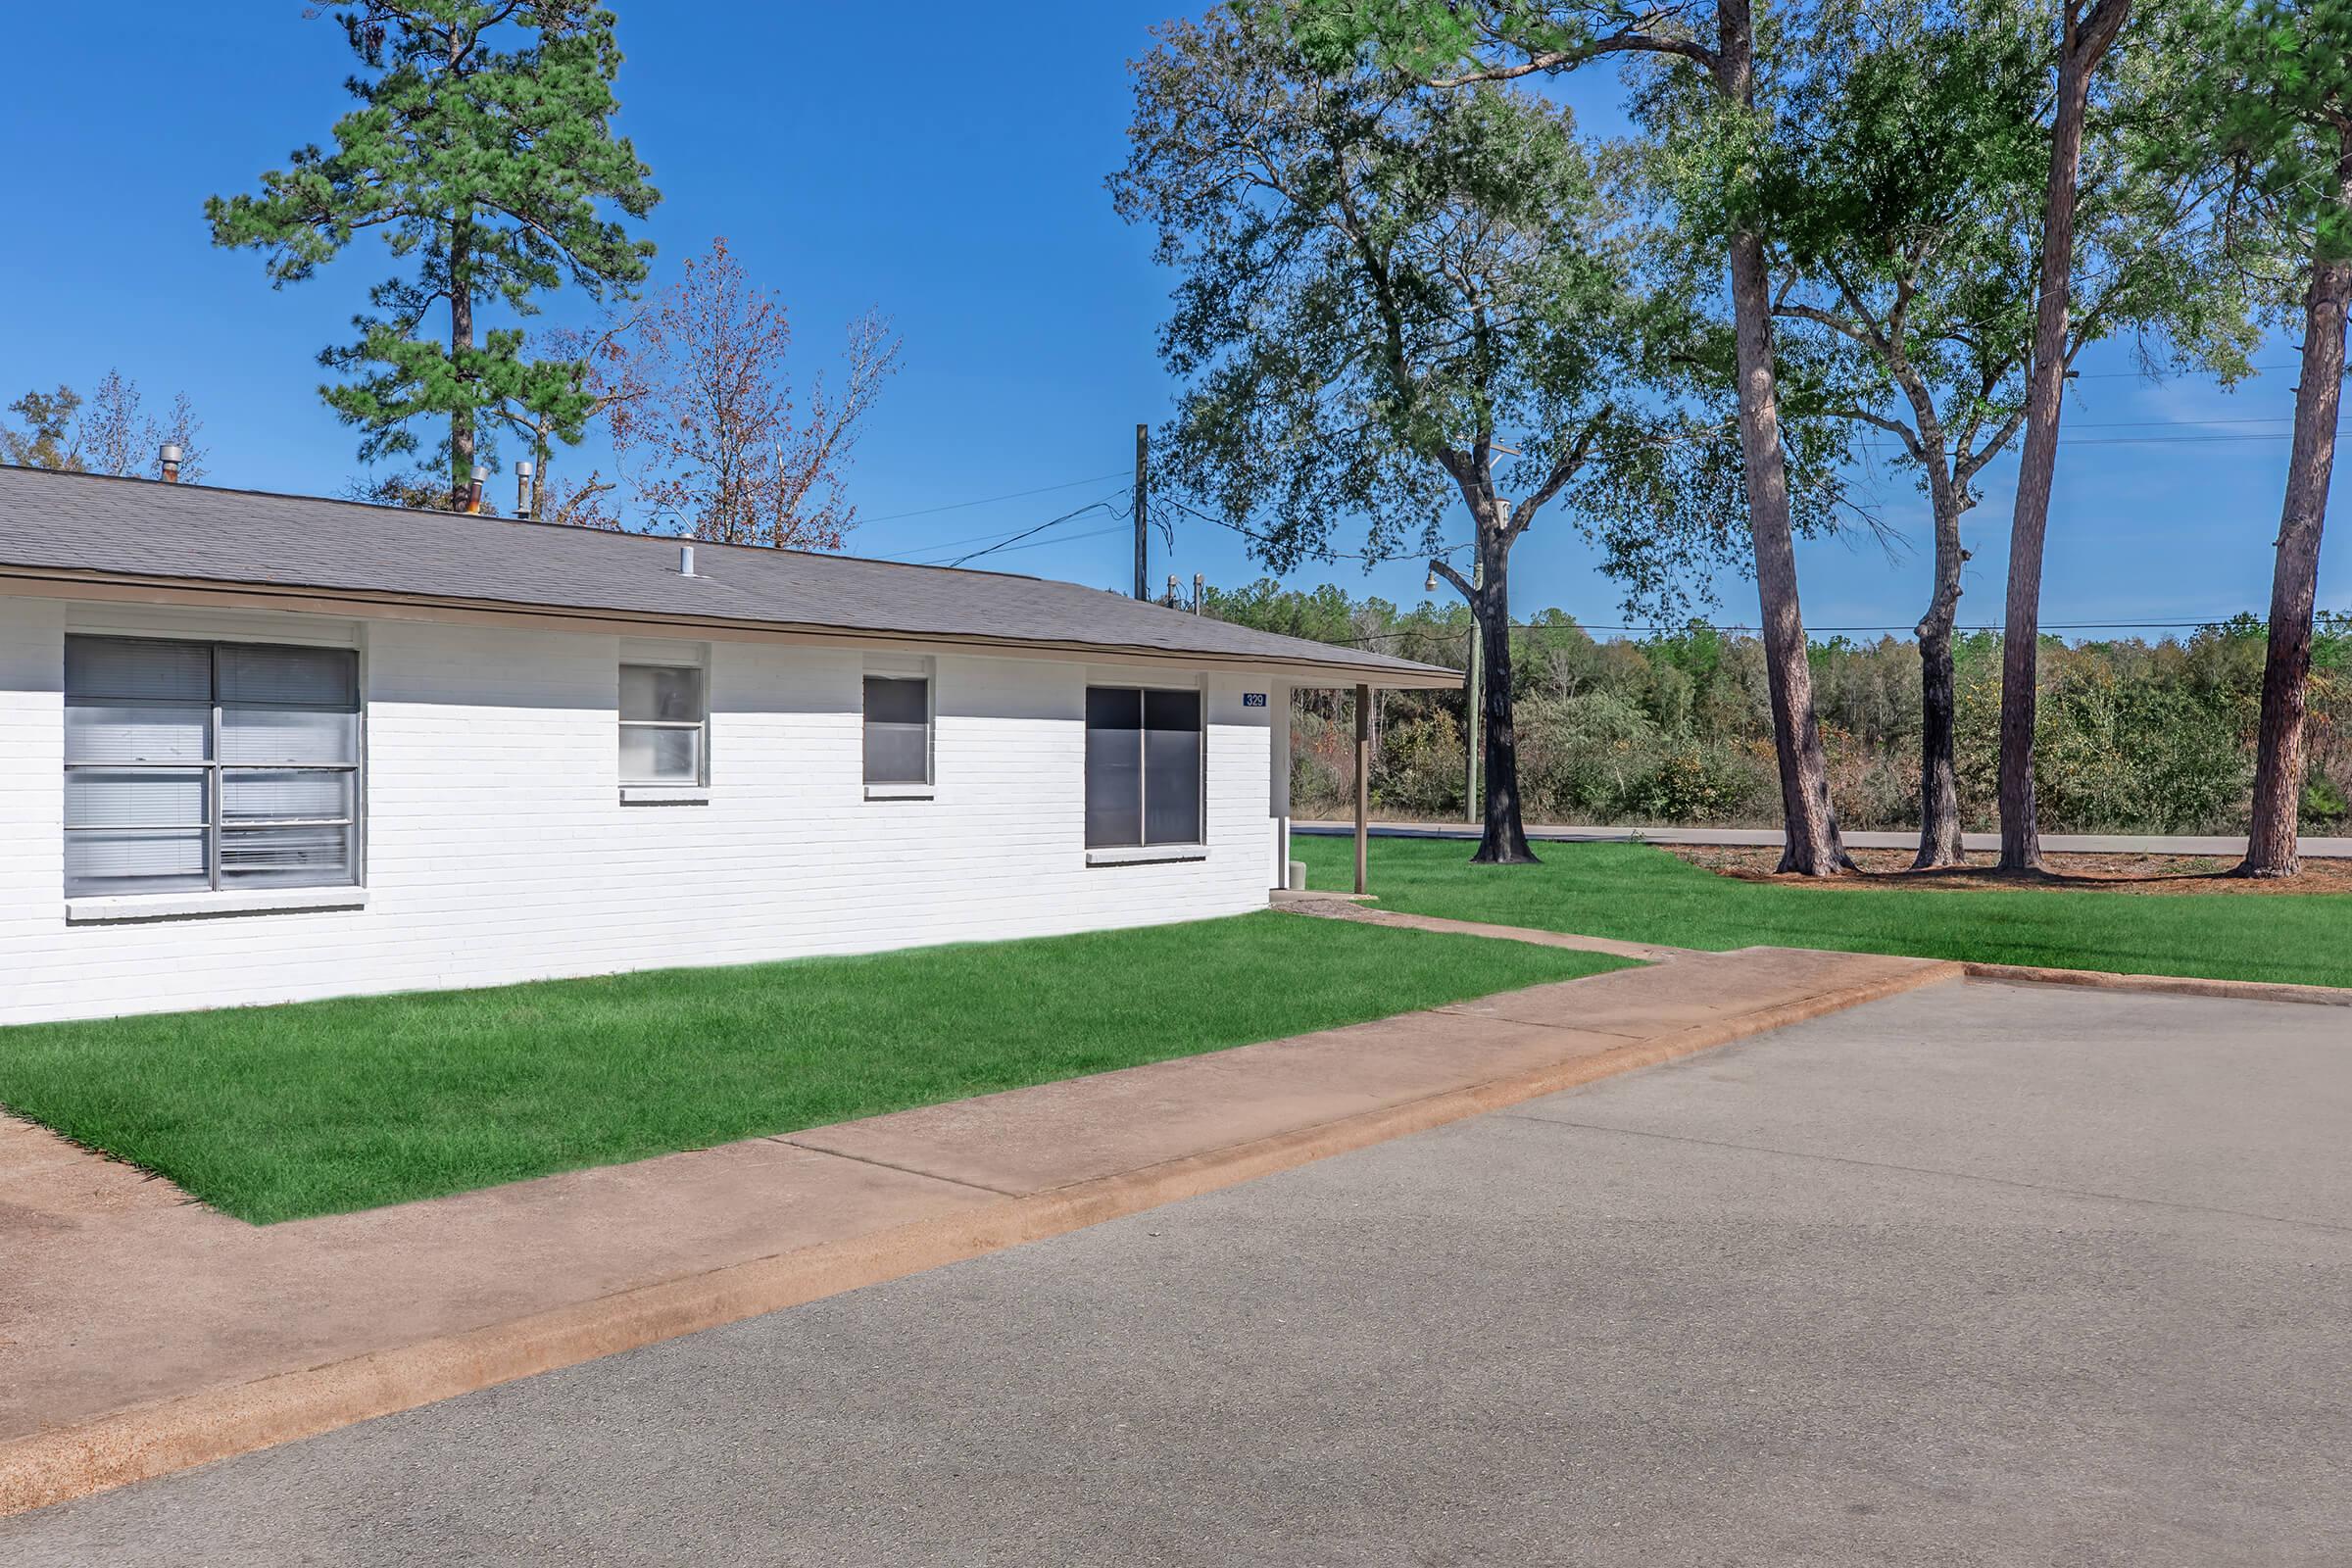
(1009, 540)
(2108, 375)
(942, 547)
(1101, 504)
(1873, 444)
(1062, 539)
(1573, 624)
(2121, 424)
(1010, 494)
(1325, 555)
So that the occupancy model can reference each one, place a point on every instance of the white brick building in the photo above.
(258, 748)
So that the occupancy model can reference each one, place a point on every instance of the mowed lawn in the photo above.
(272, 1114)
(1642, 894)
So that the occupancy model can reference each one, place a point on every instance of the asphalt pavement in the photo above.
(1982, 1274)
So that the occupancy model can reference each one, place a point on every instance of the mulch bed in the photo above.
(2108, 873)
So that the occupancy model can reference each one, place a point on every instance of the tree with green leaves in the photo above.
(51, 435)
(110, 431)
(1706, 54)
(2086, 35)
(1385, 293)
(1901, 173)
(2276, 109)
(484, 148)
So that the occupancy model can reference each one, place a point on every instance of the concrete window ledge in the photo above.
(1146, 855)
(901, 791)
(664, 795)
(199, 906)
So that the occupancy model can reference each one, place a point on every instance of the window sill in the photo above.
(664, 794)
(1147, 853)
(115, 907)
(901, 791)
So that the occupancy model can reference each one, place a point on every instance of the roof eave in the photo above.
(1394, 675)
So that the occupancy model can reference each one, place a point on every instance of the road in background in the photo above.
(1978, 1275)
(2329, 849)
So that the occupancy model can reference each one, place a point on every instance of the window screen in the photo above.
(205, 766)
(1114, 766)
(1143, 766)
(664, 724)
(898, 729)
(1171, 768)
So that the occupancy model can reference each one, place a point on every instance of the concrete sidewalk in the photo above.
(2221, 846)
(1984, 1276)
(142, 1332)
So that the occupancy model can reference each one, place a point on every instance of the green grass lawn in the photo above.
(272, 1114)
(1640, 894)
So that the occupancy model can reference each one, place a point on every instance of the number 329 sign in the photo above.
(1254, 699)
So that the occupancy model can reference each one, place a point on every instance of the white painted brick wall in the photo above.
(498, 849)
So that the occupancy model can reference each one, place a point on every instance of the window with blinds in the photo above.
(1143, 766)
(898, 729)
(210, 766)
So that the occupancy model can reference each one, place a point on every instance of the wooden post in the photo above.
(1363, 783)
(1473, 711)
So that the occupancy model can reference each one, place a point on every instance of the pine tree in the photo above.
(484, 148)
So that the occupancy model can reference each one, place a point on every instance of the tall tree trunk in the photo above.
(2270, 842)
(1503, 840)
(1814, 847)
(460, 350)
(2084, 42)
(1939, 699)
(1939, 844)
(1938, 695)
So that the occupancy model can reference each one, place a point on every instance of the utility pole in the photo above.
(1142, 469)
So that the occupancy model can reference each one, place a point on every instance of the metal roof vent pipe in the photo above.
(685, 560)
(474, 491)
(170, 459)
(523, 497)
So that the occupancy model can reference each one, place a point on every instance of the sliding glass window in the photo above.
(194, 766)
(1143, 766)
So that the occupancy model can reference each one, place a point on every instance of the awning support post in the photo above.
(1363, 783)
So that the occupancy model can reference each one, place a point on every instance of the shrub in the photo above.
(2134, 736)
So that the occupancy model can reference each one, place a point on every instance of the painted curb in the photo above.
(147, 1441)
(2165, 984)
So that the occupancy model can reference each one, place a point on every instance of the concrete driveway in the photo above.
(1979, 1275)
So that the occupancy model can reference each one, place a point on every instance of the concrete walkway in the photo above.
(1982, 1275)
(1333, 907)
(2221, 846)
(141, 1332)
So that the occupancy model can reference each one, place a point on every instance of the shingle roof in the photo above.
(76, 523)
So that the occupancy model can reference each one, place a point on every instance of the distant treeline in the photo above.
(2134, 736)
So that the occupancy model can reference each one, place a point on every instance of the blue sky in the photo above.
(950, 173)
